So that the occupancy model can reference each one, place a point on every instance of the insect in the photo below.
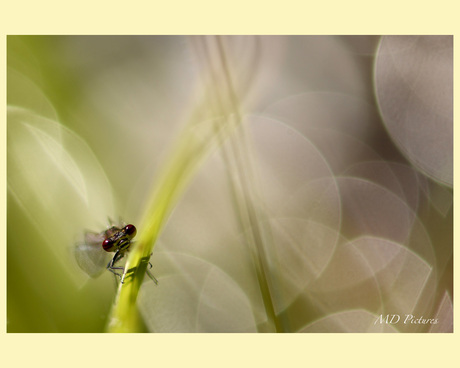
(91, 255)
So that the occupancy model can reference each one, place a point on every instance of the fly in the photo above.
(92, 254)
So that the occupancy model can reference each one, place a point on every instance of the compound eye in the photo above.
(107, 244)
(130, 230)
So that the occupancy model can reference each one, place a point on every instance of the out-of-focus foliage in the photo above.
(337, 184)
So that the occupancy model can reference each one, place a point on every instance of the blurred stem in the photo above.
(245, 199)
(240, 172)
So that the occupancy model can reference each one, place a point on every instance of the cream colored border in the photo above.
(222, 17)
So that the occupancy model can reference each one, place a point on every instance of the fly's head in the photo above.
(118, 239)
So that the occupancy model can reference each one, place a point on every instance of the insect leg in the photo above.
(111, 265)
(152, 277)
(151, 274)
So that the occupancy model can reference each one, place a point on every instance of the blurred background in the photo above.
(345, 152)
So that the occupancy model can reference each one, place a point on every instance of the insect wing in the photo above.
(113, 230)
(90, 256)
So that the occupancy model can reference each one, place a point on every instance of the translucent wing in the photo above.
(90, 256)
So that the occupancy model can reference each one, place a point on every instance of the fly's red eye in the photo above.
(130, 230)
(107, 244)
